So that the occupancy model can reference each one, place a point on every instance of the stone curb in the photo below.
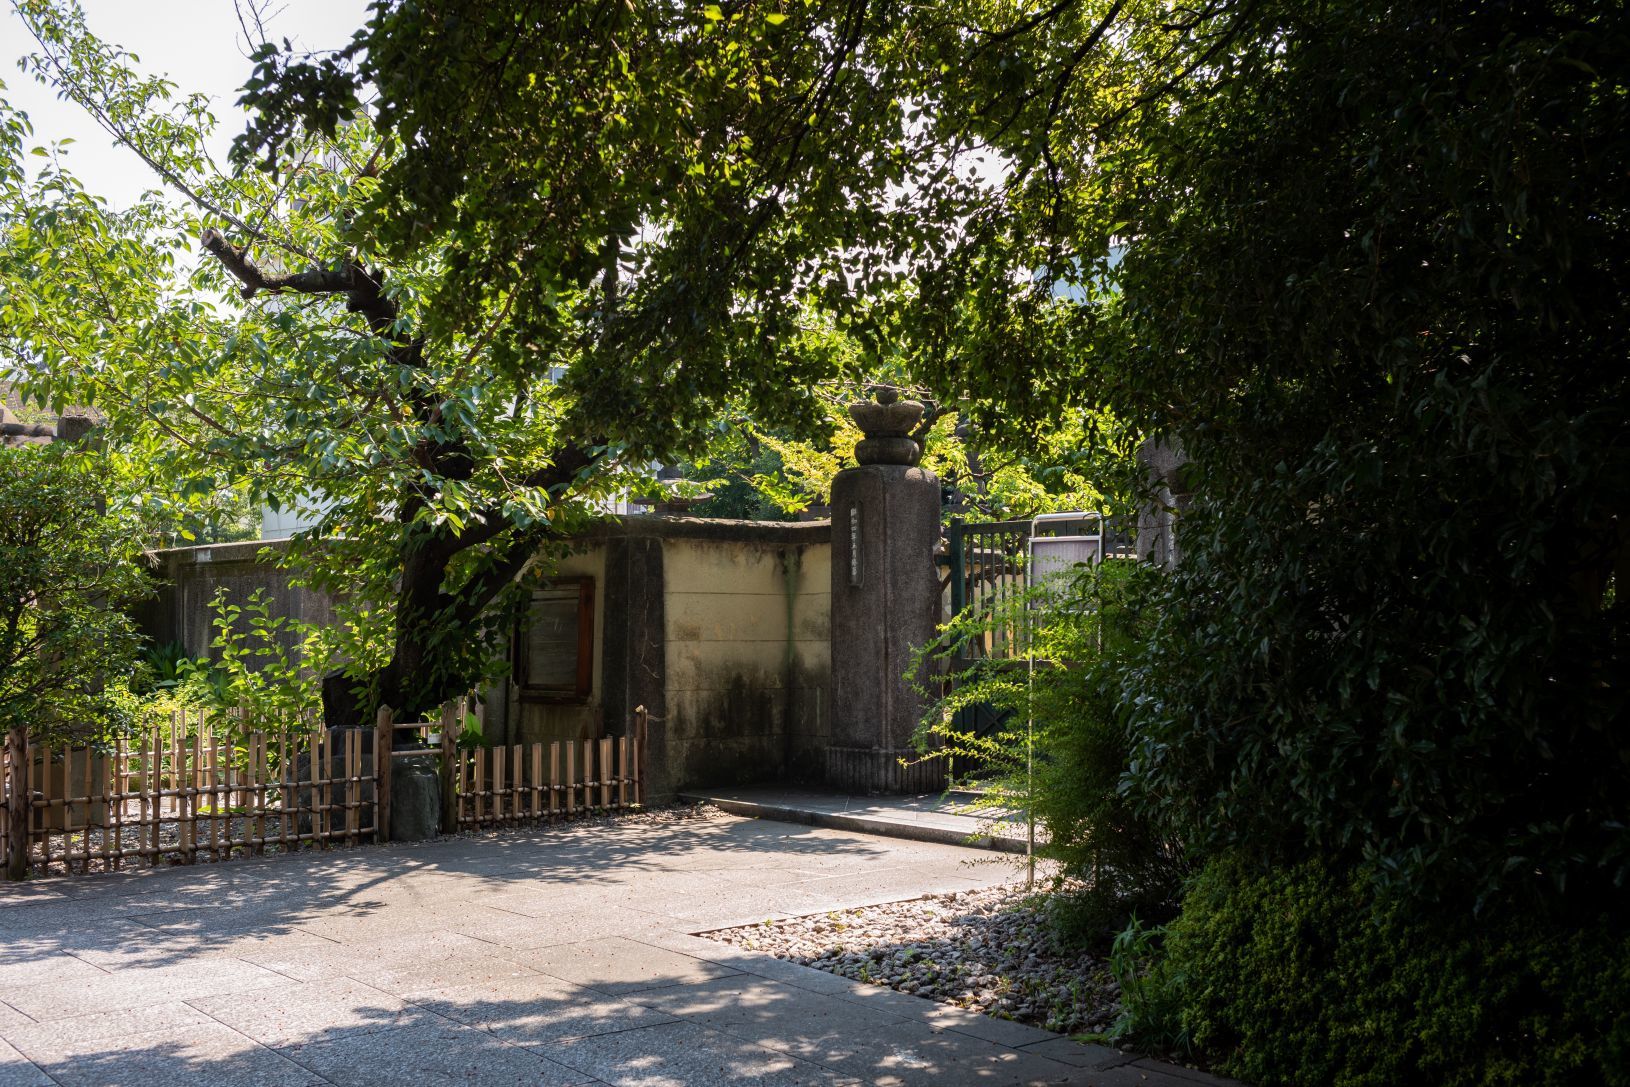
(860, 824)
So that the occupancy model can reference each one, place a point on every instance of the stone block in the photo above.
(415, 799)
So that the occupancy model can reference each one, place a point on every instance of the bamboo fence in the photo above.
(512, 783)
(197, 790)
(203, 790)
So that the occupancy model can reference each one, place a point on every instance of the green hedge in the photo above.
(1291, 977)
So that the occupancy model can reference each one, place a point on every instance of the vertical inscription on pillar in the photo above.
(854, 546)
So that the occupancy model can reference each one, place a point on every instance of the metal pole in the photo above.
(1030, 726)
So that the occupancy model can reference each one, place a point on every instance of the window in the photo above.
(555, 658)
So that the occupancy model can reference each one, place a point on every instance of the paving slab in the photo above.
(18, 1071)
(292, 1013)
(616, 965)
(41, 1040)
(689, 1055)
(331, 959)
(1095, 1057)
(137, 988)
(209, 1055)
(555, 955)
(1176, 1072)
(410, 979)
(537, 1009)
(430, 1054)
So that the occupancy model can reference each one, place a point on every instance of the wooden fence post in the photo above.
(18, 798)
(384, 740)
(641, 717)
(449, 770)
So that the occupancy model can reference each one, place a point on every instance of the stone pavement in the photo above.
(548, 957)
(950, 819)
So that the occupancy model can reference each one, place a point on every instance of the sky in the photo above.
(196, 43)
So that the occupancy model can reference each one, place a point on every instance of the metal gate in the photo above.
(989, 571)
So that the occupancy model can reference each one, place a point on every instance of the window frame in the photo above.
(583, 686)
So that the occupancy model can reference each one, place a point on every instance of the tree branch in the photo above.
(361, 290)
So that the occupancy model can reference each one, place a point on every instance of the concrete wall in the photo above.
(747, 630)
(721, 629)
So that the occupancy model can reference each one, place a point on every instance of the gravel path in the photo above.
(988, 950)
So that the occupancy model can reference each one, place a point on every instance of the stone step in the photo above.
(935, 817)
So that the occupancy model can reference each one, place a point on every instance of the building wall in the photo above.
(188, 579)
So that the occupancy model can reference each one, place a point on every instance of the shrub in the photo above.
(1114, 861)
(1292, 976)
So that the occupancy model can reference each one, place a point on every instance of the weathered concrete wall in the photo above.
(721, 629)
(748, 659)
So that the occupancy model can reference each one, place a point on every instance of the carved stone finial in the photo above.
(887, 425)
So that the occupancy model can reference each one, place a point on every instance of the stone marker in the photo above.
(415, 799)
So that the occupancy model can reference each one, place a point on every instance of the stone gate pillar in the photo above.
(885, 601)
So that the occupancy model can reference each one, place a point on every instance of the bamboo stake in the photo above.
(451, 773)
(353, 769)
(113, 824)
(149, 782)
(537, 780)
(497, 784)
(45, 797)
(588, 774)
(605, 771)
(261, 778)
(622, 771)
(67, 808)
(554, 777)
(288, 805)
(323, 822)
(198, 782)
(571, 776)
(214, 780)
(18, 795)
(384, 740)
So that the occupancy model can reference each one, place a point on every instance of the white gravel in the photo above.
(990, 951)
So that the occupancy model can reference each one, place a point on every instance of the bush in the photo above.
(1291, 976)
(1114, 862)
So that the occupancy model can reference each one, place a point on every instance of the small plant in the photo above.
(162, 667)
(1151, 991)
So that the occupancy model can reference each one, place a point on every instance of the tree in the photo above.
(66, 574)
(562, 239)
(1365, 260)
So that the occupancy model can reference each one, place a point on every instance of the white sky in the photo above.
(196, 43)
